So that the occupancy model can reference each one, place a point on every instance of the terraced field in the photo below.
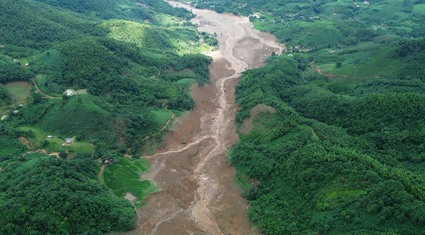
(123, 176)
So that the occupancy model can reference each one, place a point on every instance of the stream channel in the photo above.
(197, 191)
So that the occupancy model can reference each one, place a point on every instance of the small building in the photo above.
(255, 15)
(70, 92)
(108, 161)
(50, 136)
(69, 140)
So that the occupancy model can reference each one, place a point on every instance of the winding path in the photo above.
(42, 93)
(330, 75)
(197, 194)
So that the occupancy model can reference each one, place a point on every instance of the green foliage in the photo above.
(75, 117)
(123, 176)
(44, 62)
(129, 69)
(51, 142)
(19, 91)
(4, 94)
(107, 9)
(83, 70)
(29, 24)
(210, 40)
(326, 23)
(162, 116)
(10, 146)
(11, 71)
(119, 72)
(197, 63)
(333, 148)
(263, 85)
(142, 35)
(42, 194)
(412, 56)
(391, 121)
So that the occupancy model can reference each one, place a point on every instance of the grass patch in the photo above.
(123, 176)
(10, 146)
(363, 60)
(243, 181)
(45, 83)
(188, 73)
(19, 91)
(186, 81)
(167, 20)
(40, 139)
(365, 63)
(262, 121)
(142, 35)
(172, 92)
(162, 116)
(419, 9)
(336, 195)
(342, 193)
(51, 58)
(41, 81)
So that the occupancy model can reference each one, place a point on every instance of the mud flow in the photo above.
(197, 194)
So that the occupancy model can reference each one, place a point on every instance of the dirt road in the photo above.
(197, 191)
(331, 75)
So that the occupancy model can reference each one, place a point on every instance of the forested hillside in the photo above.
(83, 84)
(336, 144)
(331, 163)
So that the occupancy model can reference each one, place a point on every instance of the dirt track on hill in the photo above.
(197, 192)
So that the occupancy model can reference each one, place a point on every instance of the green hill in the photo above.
(41, 194)
(319, 24)
(33, 25)
(331, 163)
(101, 79)
(343, 151)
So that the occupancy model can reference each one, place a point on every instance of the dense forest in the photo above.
(44, 195)
(324, 160)
(343, 153)
(82, 82)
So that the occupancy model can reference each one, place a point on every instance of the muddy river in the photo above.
(197, 192)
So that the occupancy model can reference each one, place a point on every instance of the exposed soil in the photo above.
(24, 141)
(331, 75)
(100, 174)
(54, 154)
(130, 197)
(197, 191)
(247, 124)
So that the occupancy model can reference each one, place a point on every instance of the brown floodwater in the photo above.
(197, 191)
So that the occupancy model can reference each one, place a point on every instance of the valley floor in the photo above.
(197, 193)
